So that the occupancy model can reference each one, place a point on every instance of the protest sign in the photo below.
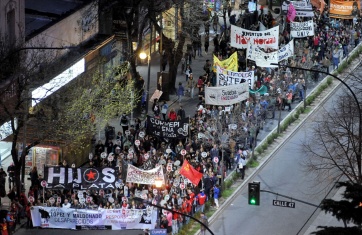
(239, 37)
(302, 29)
(167, 129)
(262, 59)
(230, 63)
(139, 176)
(344, 9)
(226, 77)
(115, 219)
(226, 95)
(86, 178)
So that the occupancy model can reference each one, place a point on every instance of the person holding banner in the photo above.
(191, 84)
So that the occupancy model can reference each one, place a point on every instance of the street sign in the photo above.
(283, 203)
(137, 142)
(31, 199)
(216, 160)
(43, 183)
(183, 152)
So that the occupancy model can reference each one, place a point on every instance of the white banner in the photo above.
(240, 37)
(286, 51)
(302, 29)
(139, 176)
(226, 77)
(261, 58)
(305, 13)
(115, 219)
(226, 95)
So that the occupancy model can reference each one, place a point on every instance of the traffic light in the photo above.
(254, 193)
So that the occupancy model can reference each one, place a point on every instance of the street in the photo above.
(283, 174)
(78, 232)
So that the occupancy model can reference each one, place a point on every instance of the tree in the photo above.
(332, 151)
(348, 210)
(94, 100)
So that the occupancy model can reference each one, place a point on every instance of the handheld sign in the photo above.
(31, 199)
(146, 156)
(51, 200)
(182, 186)
(80, 195)
(128, 132)
(103, 155)
(82, 200)
(137, 142)
(141, 134)
(183, 152)
(216, 160)
(111, 199)
(43, 183)
(131, 150)
(169, 167)
(88, 199)
(204, 154)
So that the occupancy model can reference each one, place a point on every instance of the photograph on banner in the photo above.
(226, 77)
(261, 58)
(226, 95)
(230, 63)
(239, 37)
(139, 176)
(344, 9)
(302, 29)
(167, 129)
(86, 178)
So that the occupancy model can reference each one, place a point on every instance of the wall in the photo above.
(19, 20)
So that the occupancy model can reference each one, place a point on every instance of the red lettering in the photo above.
(242, 40)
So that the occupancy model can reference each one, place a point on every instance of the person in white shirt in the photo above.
(66, 204)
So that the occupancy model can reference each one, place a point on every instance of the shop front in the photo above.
(41, 156)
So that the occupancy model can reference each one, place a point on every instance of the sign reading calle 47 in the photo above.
(283, 203)
(80, 178)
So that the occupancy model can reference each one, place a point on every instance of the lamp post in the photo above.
(158, 185)
(358, 156)
(143, 56)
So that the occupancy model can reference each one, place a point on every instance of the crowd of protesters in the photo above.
(214, 144)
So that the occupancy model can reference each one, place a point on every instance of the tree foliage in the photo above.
(332, 151)
(348, 210)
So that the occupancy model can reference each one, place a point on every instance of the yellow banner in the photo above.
(230, 63)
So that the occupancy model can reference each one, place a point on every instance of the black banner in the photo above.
(168, 129)
(80, 178)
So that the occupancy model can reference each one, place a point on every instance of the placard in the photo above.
(240, 37)
(226, 77)
(139, 176)
(302, 29)
(167, 129)
(226, 95)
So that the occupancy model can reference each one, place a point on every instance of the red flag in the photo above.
(189, 172)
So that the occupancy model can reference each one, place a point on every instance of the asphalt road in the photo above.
(77, 232)
(283, 174)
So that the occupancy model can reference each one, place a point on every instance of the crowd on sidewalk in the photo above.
(220, 138)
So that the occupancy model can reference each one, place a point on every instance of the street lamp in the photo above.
(143, 56)
(158, 184)
(358, 156)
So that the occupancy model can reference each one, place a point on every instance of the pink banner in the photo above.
(291, 13)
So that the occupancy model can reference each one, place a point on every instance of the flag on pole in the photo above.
(291, 13)
(190, 173)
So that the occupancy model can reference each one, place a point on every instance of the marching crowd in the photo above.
(220, 137)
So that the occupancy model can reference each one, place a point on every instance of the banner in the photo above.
(226, 77)
(168, 129)
(303, 9)
(261, 58)
(190, 173)
(286, 51)
(302, 29)
(139, 176)
(230, 63)
(240, 37)
(291, 12)
(344, 9)
(115, 219)
(80, 178)
(226, 95)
